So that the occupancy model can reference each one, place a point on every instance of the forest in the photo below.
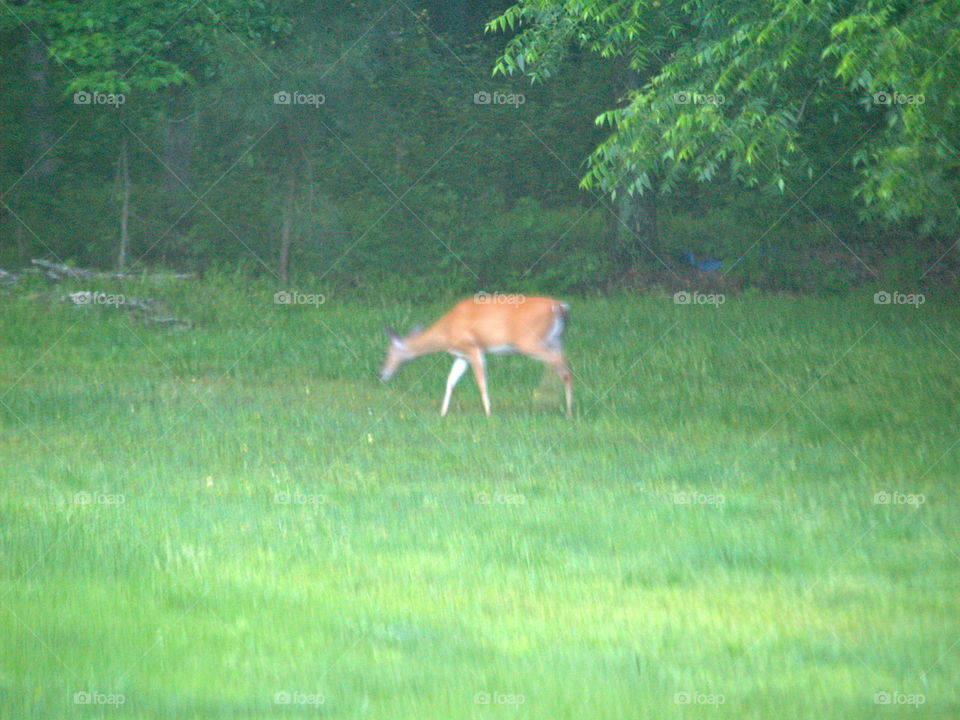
(561, 146)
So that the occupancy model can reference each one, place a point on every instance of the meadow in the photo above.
(752, 514)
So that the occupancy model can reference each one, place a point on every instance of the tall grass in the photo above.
(753, 514)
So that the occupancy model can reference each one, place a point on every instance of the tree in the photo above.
(633, 38)
(741, 83)
(112, 48)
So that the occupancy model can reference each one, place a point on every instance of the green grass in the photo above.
(390, 589)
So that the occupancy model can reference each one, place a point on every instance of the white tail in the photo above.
(488, 324)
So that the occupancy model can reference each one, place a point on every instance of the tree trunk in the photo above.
(178, 147)
(177, 157)
(23, 251)
(124, 177)
(286, 230)
(40, 120)
(635, 234)
(457, 20)
(400, 152)
(450, 18)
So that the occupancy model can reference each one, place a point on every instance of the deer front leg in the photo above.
(456, 372)
(479, 371)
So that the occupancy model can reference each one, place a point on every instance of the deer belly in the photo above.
(501, 349)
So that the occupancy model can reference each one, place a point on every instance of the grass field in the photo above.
(753, 514)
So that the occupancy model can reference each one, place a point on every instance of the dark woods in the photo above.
(370, 144)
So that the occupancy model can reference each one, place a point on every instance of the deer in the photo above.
(497, 324)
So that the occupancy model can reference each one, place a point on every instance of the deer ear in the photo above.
(391, 333)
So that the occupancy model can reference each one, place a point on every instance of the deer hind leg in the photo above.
(477, 363)
(564, 371)
(559, 363)
(553, 356)
(456, 372)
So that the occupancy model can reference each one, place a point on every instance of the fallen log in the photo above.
(59, 271)
(149, 311)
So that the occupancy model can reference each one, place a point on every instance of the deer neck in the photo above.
(424, 343)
